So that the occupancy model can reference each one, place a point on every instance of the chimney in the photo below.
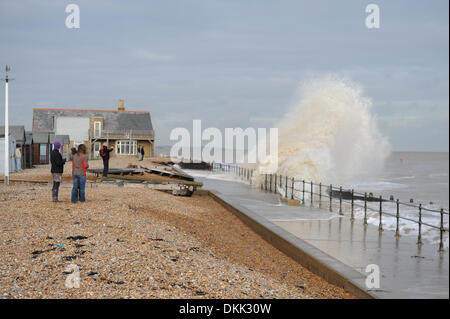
(121, 106)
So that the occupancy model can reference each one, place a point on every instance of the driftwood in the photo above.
(174, 189)
(174, 173)
(116, 171)
(195, 165)
(153, 179)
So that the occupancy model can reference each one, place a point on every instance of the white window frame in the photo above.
(96, 151)
(122, 145)
(97, 131)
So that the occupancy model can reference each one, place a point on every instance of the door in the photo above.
(43, 153)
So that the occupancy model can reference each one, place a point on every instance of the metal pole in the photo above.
(320, 194)
(441, 242)
(419, 238)
(340, 201)
(6, 131)
(270, 185)
(331, 197)
(397, 230)
(380, 225)
(286, 186)
(265, 186)
(276, 183)
(292, 192)
(365, 209)
(353, 207)
(311, 194)
(303, 191)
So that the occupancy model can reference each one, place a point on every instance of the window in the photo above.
(97, 129)
(126, 147)
(96, 149)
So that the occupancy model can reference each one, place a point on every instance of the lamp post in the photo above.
(7, 69)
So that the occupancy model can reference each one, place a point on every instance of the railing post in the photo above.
(365, 209)
(303, 192)
(419, 238)
(265, 186)
(312, 194)
(340, 201)
(270, 185)
(397, 216)
(331, 197)
(292, 192)
(320, 195)
(286, 187)
(380, 225)
(441, 241)
(275, 184)
(352, 217)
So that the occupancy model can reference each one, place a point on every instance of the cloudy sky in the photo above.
(231, 63)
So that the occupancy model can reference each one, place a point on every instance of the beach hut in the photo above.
(18, 131)
(41, 148)
(65, 145)
(12, 148)
(28, 150)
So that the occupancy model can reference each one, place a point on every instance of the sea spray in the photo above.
(330, 134)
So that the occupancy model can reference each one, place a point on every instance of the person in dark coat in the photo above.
(142, 153)
(104, 154)
(74, 151)
(139, 152)
(57, 169)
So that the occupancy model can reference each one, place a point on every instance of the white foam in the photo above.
(330, 134)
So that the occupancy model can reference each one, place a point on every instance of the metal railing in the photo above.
(336, 197)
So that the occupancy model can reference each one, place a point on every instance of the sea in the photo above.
(412, 177)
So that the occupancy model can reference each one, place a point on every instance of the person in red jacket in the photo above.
(79, 167)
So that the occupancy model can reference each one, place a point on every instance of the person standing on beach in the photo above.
(79, 166)
(74, 151)
(142, 153)
(139, 153)
(18, 158)
(104, 153)
(57, 169)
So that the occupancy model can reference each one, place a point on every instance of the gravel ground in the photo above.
(133, 242)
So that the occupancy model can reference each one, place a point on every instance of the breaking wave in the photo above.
(330, 134)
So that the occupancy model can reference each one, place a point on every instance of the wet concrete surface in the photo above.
(407, 270)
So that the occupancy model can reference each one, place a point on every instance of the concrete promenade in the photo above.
(407, 271)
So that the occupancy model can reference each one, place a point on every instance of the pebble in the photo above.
(168, 247)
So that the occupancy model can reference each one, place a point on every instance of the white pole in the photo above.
(6, 135)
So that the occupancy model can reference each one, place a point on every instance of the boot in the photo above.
(55, 196)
